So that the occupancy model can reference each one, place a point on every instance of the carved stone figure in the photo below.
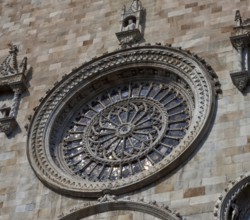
(235, 212)
(130, 26)
(107, 198)
(238, 20)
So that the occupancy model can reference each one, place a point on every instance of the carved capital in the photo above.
(240, 79)
(240, 41)
(128, 38)
(7, 124)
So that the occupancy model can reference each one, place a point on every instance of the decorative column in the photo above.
(15, 102)
(239, 58)
(240, 40)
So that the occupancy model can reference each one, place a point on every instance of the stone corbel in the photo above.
(240, 79)
(240, 40)
(12, 80)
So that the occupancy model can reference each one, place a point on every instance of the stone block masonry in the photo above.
(59, 35)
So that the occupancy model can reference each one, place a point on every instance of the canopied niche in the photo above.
(131, 24)
(240, 40)
(12, 84)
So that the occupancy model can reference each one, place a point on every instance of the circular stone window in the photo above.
(121, 121)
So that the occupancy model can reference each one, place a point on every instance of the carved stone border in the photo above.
(109, 203)
(227, 198)
(200, 77)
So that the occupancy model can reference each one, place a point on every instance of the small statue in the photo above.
(238, 19)
(235, 212)
(107, 198)
(130, 26)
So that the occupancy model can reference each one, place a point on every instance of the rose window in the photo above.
(126, 130)
(122, 121)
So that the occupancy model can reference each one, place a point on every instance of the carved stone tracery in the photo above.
(126, 130)
(190, 78)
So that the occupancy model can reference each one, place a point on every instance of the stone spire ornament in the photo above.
(10, 64)
(238, 20)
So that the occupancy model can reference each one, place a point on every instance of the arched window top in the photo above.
(234, 203)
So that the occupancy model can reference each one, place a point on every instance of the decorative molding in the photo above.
(12, 79)
(240, 40)
(131, 24)
(42, 135)
(234, 202)
(111, 203)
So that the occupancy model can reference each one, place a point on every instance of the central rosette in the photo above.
(125, 130)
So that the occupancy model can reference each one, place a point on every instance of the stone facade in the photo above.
(58, 36)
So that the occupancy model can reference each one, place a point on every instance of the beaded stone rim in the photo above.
(57, 136)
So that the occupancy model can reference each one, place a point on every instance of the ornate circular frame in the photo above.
(181, 67)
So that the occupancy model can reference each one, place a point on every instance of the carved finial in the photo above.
(135, 5)
(238, 19)
(10, 64)
(23, 65)
(123, 9)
